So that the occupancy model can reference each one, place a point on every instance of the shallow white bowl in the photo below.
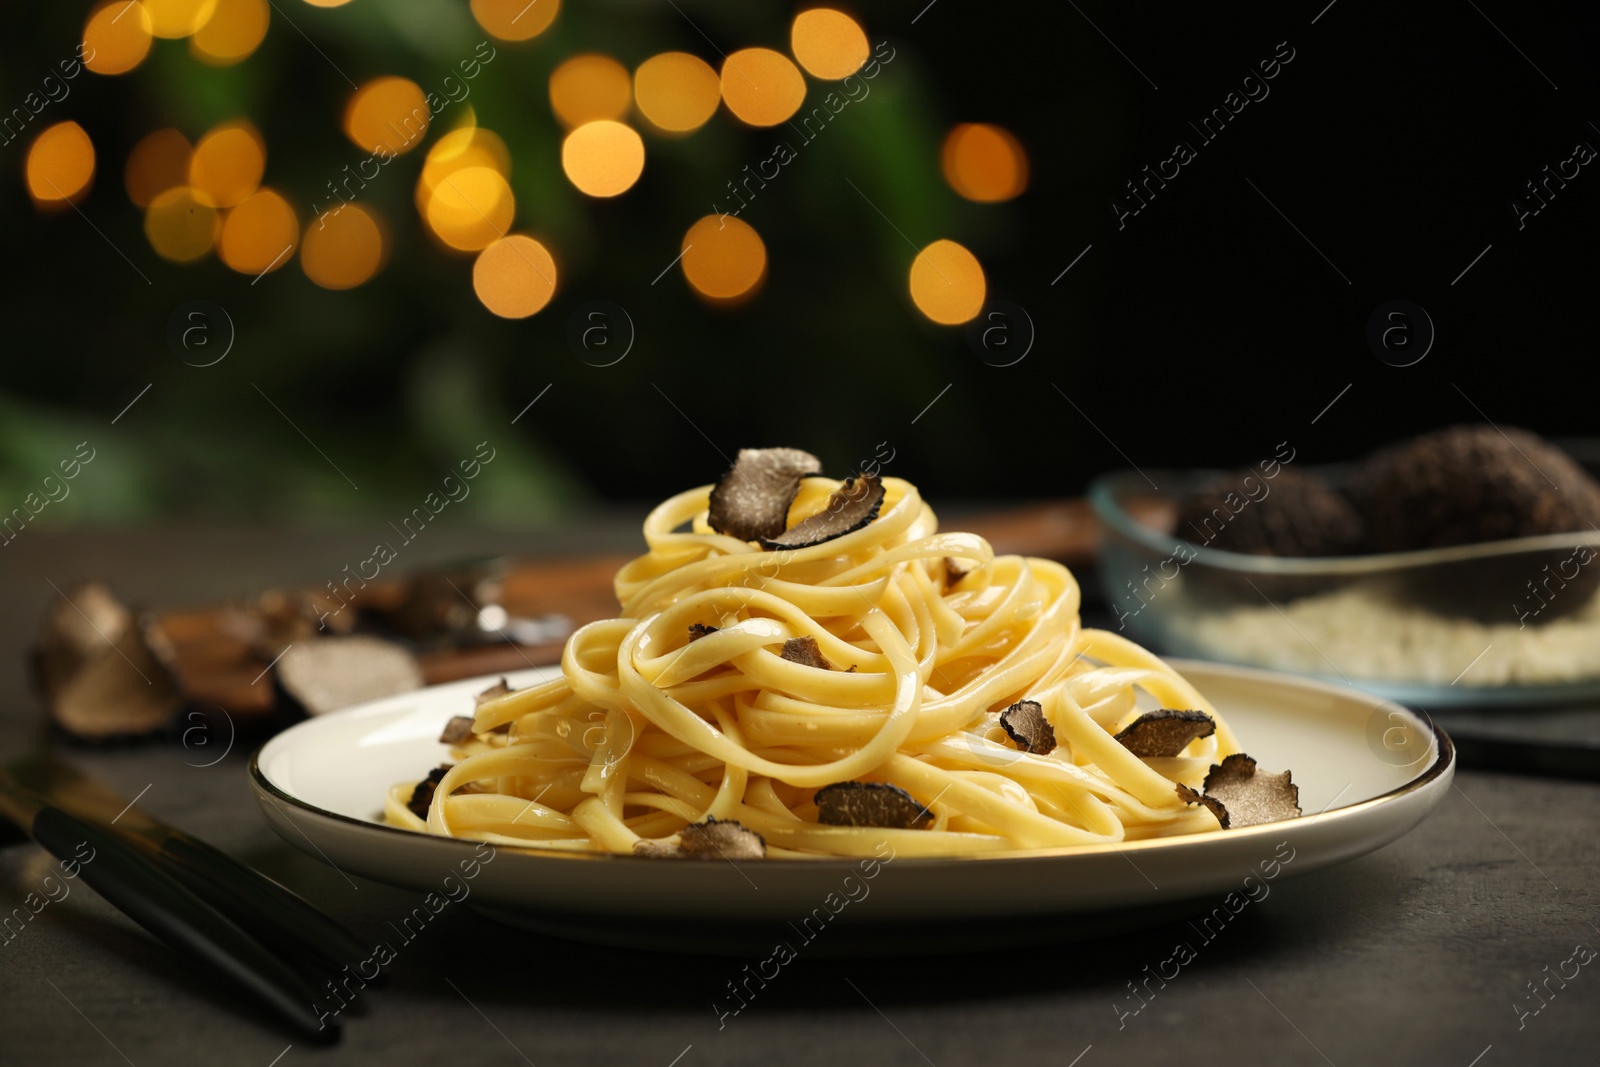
(1368, 771)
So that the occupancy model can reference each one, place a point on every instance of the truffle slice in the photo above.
(1189, 796)
(494, 692)
(1024, 723)
(456, 730)
(330, 673)
(422, 795)
(870, 804)
(278, 618)
(697, 630)
(805, 651)
(852, 506)
(751, 501)
(1165, 732)
(105, 671)
(1241, 796)
(713, 839)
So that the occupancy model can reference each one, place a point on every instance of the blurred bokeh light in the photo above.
(387, 114)
(947, 283)
(460, 149)
(60, 164)
(762, 87)
(984, 163)
(259, 235)
(160, 161)
(182, 225)
(677, 92)
(589, 87)
(829, 44)
(116, 38)
(234, 30)
(343, 248)
(515, 20)
(723, 258)
(228, 163)
(603, 158)
(178, 18)
(514, 277)
(471, 208)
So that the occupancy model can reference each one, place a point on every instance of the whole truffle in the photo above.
(1292, 514)
(1473, 484)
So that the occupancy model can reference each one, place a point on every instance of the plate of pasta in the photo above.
(809, 687)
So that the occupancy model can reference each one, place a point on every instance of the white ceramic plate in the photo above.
(1368, 771)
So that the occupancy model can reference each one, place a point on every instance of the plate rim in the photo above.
(1443, 762)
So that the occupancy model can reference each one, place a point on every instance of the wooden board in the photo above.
(217, 668)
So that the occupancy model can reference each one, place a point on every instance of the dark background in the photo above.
(1203, 333)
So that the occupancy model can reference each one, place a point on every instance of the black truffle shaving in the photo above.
(852, 506)
(1252, 797)
(1024, 723)
(1189, 796)
(456, 730)
(870, 804)
(697, 630)
(494, 692)
(751, 501)
(806, 652)
(422, 795)
(713, 839)
(326, 674)
(1240, 796)
(1165, 732)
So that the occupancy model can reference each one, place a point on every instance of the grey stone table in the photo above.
(1421, 953)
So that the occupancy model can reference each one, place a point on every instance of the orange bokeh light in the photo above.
(676, 91)
(260, 234)
(603, 158)
(228, 163)
(470, 208)
(160, 161)
(458, 150)
(116, 37)
(762, 87)
(515, 20)
(235, 29)
(590, 87)
(387, 114)
(514, 277)
(60, 164)
(178, 18)
(984, 163)
(723, 258)
(947, 283)
(343, 248)
(828, 43)
(181, 225)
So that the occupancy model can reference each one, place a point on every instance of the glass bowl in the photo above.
(1503, 623)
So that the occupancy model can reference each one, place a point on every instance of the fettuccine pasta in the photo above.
(684, 706)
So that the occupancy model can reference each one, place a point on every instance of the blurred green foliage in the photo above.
(396, 380)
